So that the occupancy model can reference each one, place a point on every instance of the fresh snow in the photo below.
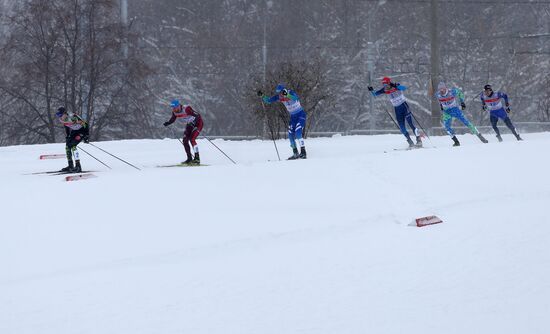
(316, 246)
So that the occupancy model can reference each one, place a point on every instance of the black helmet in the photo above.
(487, 87)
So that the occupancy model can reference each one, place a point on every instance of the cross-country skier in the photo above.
(402, 111)
(449, 100)
(492, 102)
(297, 118)
(76, 130)
(193, 127)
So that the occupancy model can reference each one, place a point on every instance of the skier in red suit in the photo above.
(193, 127)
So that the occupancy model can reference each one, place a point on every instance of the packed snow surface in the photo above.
(323, 245)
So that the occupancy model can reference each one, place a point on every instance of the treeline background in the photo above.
(118, 63)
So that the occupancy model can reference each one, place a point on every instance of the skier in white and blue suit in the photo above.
(492, 102)
(297, 118)
(402, 111)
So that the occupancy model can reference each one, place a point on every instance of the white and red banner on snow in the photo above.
(79, 177)
(428, 220)
(52, 156)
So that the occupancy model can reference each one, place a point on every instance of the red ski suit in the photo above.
(193, 127)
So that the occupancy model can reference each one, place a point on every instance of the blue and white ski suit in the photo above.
(297, 122)
(493, 104)
(401, 107)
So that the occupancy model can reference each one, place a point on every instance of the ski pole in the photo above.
(420, 125)
(393, 120)
(260, 93)
(114, 156)
(174, 135)
(104, 164)
(220, 150)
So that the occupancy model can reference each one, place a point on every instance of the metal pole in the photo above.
(370, 69)
(434, 62)
(124, 21)
(268, 5)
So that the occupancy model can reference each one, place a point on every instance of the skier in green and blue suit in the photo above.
(449, 100)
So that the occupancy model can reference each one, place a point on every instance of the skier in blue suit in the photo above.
(492, 102)
(297, 118)
(402, 111)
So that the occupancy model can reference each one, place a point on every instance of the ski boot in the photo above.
(294, 155)
(457, 143)
(77, 168)
(69, 168)
(196, 160)
(418, 141)
(303, 154)
(483, 140)
(188, 161)
(499, 138)
(411, 143)
(518, 137)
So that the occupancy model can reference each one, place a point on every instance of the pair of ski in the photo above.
(409, 148)
(182, 165)
(59, 172)
(71, 176)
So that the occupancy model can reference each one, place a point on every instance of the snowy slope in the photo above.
(315, 246)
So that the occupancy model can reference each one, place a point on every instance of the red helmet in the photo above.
(386, 81)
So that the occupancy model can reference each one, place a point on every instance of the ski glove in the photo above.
(166, 123)
(260, 93)
(484, 107)
(370, 88)
(394, 84)
(462, 105)
(86, 139)
(508, 110)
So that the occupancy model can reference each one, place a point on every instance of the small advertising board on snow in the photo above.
(52, 156)
(428, 220)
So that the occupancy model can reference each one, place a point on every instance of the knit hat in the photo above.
(441, 86)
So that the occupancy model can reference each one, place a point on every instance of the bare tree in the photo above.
(69, 52)
(310, 82)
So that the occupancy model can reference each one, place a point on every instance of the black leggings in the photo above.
(74, 138)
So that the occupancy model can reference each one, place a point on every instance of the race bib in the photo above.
(448, 102)
(292, 106)
(397, 98)
(493, 104)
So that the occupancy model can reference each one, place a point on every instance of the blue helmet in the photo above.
(279, 88)
(60, 111)
(175, 103)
